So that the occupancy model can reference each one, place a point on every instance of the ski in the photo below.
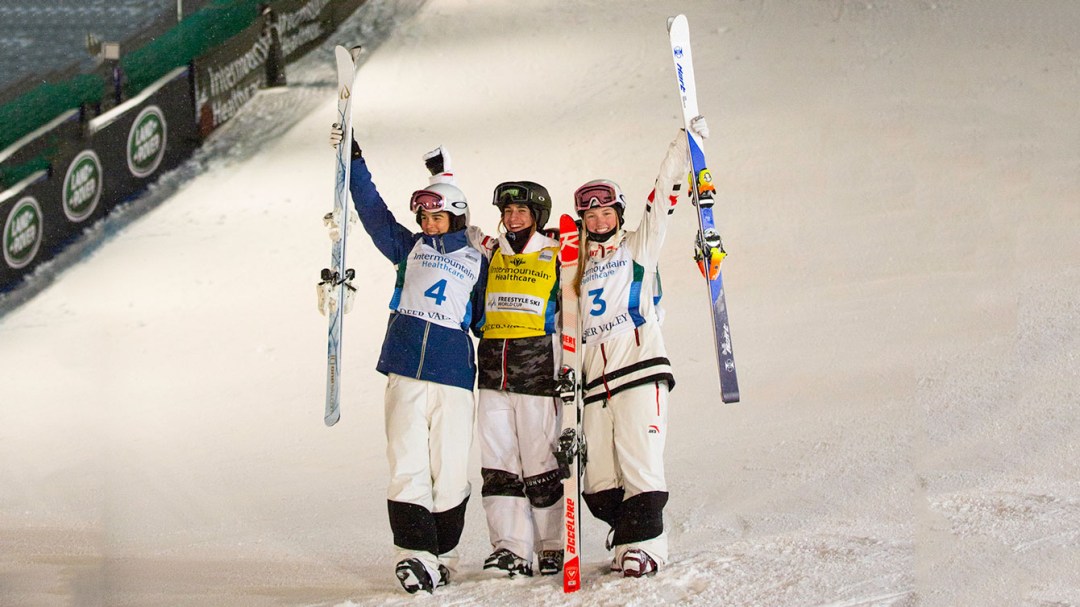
(571, 448)
(336, 280)
(709, 249)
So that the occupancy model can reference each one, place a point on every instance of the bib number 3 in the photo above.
(599, 306)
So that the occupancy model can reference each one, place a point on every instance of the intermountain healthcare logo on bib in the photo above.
(146, 141)
(82, 186)
(22, 233)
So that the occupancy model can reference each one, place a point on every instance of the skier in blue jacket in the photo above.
(430, 364)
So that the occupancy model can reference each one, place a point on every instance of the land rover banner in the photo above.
(82, 186)
(32, 227)
(23, 232)
(133, 144)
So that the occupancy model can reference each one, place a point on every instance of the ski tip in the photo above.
(671, 21)
(569, 240)
(332, 419)
(348, 52)
(729, 398)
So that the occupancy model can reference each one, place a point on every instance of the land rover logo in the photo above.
(22, 233)
(146, 141)
(82, 186)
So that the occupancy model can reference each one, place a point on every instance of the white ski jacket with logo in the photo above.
(620, 294)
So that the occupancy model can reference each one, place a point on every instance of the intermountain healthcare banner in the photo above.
(230, 75)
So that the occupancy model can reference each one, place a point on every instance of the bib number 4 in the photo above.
(437, 292)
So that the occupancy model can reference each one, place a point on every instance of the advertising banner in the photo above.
(230, 75)
(134, 143)
(303, 24)
(32, 227)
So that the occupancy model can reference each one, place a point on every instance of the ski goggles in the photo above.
(513, 192)
(426, 200)
(595, 195)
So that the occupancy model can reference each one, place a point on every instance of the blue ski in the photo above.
(709, 250)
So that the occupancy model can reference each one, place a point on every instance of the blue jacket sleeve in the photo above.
(392, 239)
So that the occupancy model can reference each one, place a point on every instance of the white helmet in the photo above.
(599, 193)
(442, 197)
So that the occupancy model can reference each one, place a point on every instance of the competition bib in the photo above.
(611, 296)
(519, 295)
(438, 285)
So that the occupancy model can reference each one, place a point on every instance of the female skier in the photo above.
(427, 356)
(518, 415)
(626, 373)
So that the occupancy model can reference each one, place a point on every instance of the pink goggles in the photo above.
(595, 195)
(427, 201)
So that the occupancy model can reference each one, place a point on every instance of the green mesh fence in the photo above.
(11, 175)
(195, 35)
(38, 106)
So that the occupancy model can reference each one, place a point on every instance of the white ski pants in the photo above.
(428, 439)
(625, 437)
(518, 434)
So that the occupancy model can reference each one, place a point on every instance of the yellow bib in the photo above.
(520, 299)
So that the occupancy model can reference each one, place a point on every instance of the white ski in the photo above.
(336, 280)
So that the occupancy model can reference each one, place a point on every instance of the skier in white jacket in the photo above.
(626, 372)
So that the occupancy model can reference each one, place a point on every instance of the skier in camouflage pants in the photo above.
(518, 414)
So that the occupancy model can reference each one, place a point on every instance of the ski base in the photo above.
(709, 251)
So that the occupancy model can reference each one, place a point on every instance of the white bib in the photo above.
(610, 297)
(438, 285)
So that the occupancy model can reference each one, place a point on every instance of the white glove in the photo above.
(333, 223)
(336, 135)
(438, 161)
(699, 126)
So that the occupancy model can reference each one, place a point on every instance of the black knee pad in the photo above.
(545, 489)
(501, 482)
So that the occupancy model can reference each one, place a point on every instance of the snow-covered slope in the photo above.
(900, 196)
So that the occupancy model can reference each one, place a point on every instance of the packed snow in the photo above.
(899, 192)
